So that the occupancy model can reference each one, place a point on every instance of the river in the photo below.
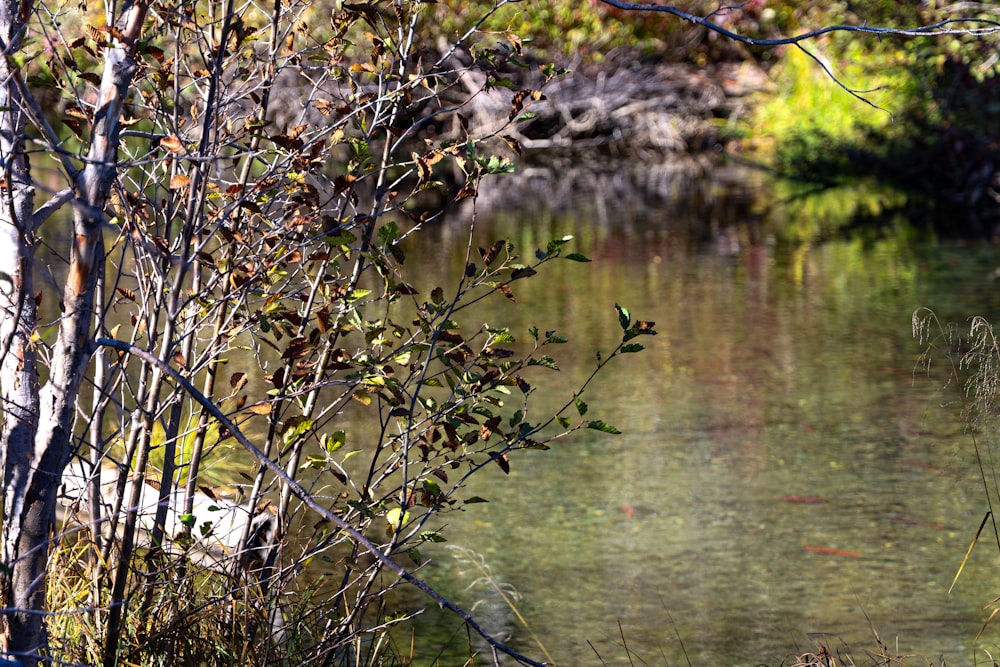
(787, 476)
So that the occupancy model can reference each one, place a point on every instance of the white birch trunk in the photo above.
(38, 423)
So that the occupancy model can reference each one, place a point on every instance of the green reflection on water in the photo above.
(779, 373)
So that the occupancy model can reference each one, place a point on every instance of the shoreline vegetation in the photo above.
(259, 176)
(645, 89)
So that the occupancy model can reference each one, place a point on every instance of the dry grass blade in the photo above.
(969, 552)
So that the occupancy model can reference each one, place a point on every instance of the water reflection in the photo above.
(782, 473)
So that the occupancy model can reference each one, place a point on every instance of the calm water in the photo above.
(782, 373)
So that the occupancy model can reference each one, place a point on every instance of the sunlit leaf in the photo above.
(172, 143)
(296, 427)
(555, 244)
(623, 317)
(395, 518)
(545, 361)
(332, 443)
(433, 535)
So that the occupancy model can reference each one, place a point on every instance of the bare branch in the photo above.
(307, 498)
(972, 26)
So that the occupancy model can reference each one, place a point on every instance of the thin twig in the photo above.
(309, 501)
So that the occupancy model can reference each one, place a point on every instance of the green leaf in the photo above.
(546, 361)
(632, 347)
(534, 332)
(395, 518)
(474, 499)
(555, 244)
(414, 554)
(623, 317)
(187, 520)
(361, 507)
(603, 427)
(577, 257)
(295, 427)
(563, 421)
(358, 294)
(432, 536)
(340, 239)
(332, 443)
(581, 407)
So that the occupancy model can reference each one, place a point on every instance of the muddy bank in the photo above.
(624, 108)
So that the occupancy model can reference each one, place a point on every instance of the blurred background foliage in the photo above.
(925, 144)
(929, 138)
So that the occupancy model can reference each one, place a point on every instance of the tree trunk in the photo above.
(24, 525)
(38, 422)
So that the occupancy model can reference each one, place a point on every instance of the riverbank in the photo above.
(626, 108)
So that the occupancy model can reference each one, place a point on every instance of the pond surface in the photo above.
(784, 480)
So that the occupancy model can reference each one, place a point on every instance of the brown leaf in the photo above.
(517, 103)
(514, 144)
(489, 256)
(178, 181)
(74, 126)
(91, 78)
(96, 34)
(297, 348)
(468, 190)
(507, 292)
(424, 172)
(523, 272)
(325, 107)
(503, 461)
(237, 380)
(172, 143)
(260, 408)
